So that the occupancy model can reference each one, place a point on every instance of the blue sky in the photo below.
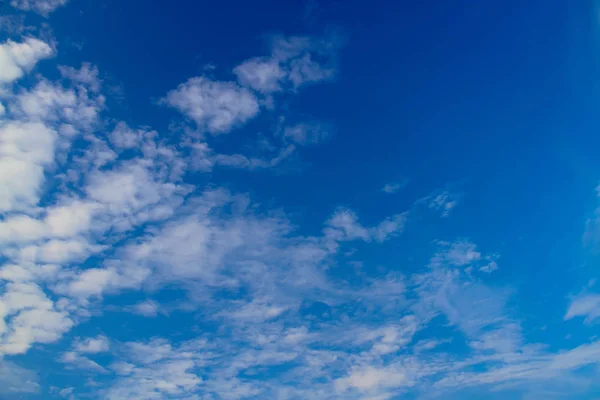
(299, 200)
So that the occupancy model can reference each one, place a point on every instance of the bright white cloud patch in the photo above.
(213, 105)
(98, 344)
(28, 316)
(18, 58)
(26, 149)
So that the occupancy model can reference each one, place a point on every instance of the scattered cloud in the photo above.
(344, 225)
(292, 63)
(394, 187)
(93, 208)
(587, 305)
(18, 58)
(43, 7)
(460, 254)
(99, 344)
(15, 379)
(306, 134)
(32, 318)
(76, 360)
(444, 202)
(214, 106)
(146, 308)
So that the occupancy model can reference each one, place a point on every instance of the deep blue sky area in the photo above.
(299, 199)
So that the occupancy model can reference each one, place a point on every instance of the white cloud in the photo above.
(26, 149)
(21, 228)
(57, 251)
(460, 253)
(215, 106)
(121, 192)
(146, 308)
(344, 225)
(306, 133)
(368, 379)
(257, 311)
(80, 362)
(156, 370)
(444, 202)
(394, 187)
(123, 137)
(43, 7)
(98, 344)
(15, 379)
(71, 109)
(429, 344)
(476, 309)
(28, 272)
(292, 63)
(261, 74)
(391, 338)
(146, 192)
(87, 75)
(89, 283)
(249, 163)
(32, 318)
(70, 219)
(18, 58)
(587, 306)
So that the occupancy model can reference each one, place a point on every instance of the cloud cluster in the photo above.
(217, 107)
(99, 215)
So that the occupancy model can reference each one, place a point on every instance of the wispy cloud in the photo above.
(586, 305)
(43, 7)
(292, 64)
(395, 187)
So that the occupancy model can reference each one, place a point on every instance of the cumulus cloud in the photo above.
(26, 149)
(28, 316)
(18, 58)
(98, 344)
(214, 106)
(146, 308)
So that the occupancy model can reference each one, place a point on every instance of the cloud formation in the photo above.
(43, 7)
(103, 219)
